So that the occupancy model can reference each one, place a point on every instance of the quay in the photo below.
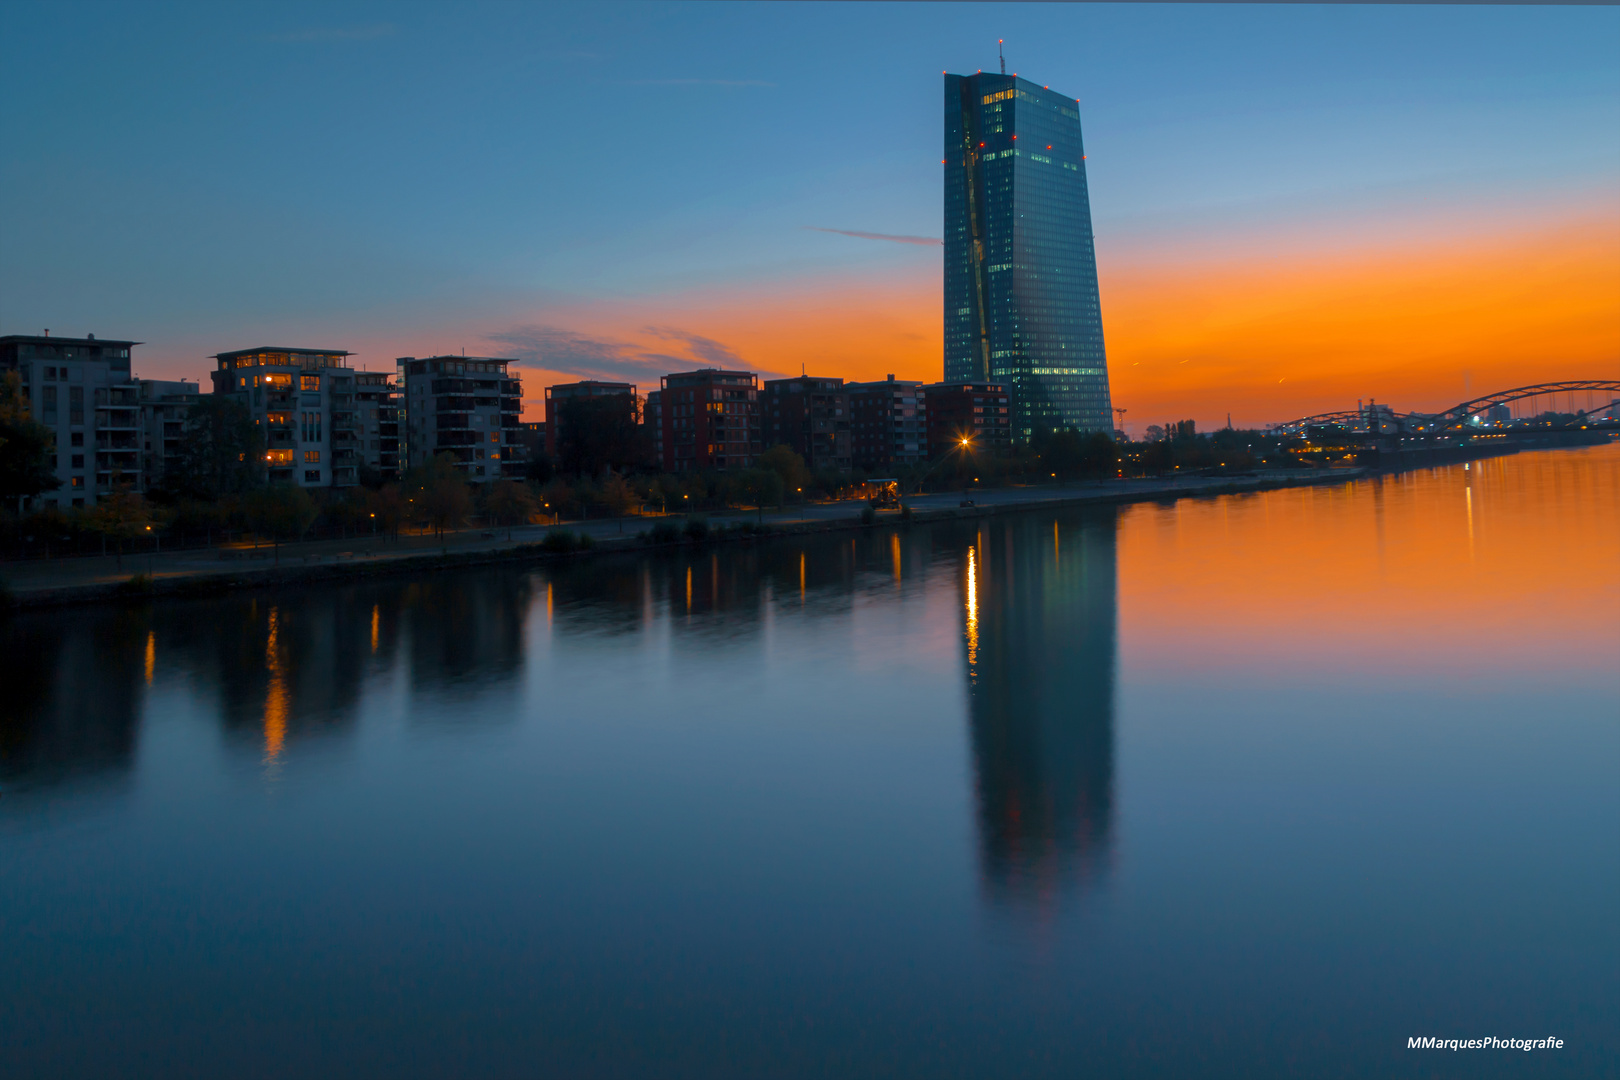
(209, 571)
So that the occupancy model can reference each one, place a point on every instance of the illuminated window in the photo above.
(279, 457)
(494, 436)
(309, 382)
(312, 457)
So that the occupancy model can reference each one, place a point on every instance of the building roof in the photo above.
(46, 339)
(281, 349)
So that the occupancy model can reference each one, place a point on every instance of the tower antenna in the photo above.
(1000, 57)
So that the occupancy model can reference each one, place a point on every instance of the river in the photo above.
(1245, 786)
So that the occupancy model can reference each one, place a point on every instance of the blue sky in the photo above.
(206, 176)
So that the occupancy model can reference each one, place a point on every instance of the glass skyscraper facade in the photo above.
(1021, 302)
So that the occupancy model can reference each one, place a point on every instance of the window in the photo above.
(48, 401)
(309, 382)
(494, 436)
(279, 457)
(312, 457)
(50, 374)
(78, 482)
(312, 476)
(312, 427)
(78, 461)
(76, 407)
(76, 439)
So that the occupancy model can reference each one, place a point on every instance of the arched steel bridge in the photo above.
(1376, 419)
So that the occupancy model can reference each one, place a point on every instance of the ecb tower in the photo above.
(1020, 270)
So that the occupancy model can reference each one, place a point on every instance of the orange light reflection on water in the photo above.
(276, 699)
(1513, 556)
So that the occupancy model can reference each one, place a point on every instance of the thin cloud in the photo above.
(699, 82)
(335, 33)
(705, 349)
(556, 349)
(924, 241)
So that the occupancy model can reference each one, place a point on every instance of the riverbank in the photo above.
(210, 572)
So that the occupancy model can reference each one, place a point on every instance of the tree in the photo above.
(539, 468)
(1062, 452)
(347, 509)
(755, 487)
(438, 494)
(121, 516)
(1099, 456)
(280, 511)
(25, 445)
(509, 502)
(596, 433)
(786, 463)
(616, 495)
(385, 509)
(222, 452)
(557, 496)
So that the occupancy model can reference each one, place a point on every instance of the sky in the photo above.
(1295, 206)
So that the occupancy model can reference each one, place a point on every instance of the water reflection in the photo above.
(72, 700)
(1039, 610)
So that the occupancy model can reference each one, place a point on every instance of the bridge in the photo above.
(1592, 404)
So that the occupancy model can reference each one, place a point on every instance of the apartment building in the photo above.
(978, 412)
(165, 405)
(623, 395)
(888, 424)
(811, 415)
(304, 402)
(81, 388)
(377, 399)
(467, 406)
(709, 419)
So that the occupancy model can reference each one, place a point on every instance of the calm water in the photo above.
(1251, 786)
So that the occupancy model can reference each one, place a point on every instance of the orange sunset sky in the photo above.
(1266, 326)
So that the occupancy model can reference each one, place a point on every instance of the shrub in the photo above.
(868, 515)
(665, 532)
(139, 585)
(697, 529)
(905, 513)
(560, 542)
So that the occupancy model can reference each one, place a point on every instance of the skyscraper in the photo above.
(1021, 301)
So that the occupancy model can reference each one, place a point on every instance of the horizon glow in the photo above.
(1295, 207)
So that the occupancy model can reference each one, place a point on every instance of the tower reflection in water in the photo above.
(1039, 631)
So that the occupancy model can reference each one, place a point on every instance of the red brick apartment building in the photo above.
(888, 424)
(976, 411)
(811, 415)
(708, 419)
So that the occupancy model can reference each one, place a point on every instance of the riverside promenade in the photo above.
(52, 582)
